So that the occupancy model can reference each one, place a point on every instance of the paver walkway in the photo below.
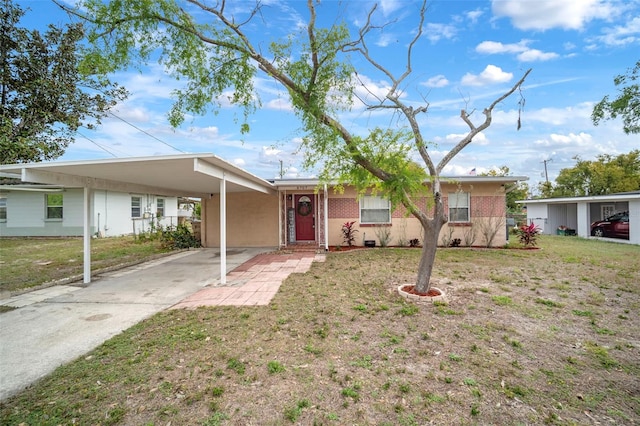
(253, 283)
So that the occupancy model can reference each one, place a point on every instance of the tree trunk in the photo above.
(428, 256)
(430, 232)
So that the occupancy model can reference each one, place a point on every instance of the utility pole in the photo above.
(546, 176)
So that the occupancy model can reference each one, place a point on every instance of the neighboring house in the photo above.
(305, 213)
(29, 210)
(577, 213)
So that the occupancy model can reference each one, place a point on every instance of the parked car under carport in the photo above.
(615, 226)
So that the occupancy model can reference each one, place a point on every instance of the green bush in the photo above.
(179, 237)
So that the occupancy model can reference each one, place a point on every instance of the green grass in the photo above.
(275, 367)
(502, 300)
(527, 358)
(29, 262)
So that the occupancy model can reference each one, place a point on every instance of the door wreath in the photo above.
(304, 206)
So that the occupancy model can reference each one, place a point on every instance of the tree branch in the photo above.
(473, 130)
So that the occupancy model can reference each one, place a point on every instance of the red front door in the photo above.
(305, 218)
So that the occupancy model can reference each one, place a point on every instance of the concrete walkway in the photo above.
(53, 326)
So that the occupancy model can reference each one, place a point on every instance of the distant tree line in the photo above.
(606, 174)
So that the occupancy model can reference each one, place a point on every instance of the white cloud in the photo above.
(523, 51)
(622, 35)
(493, 47)
(533, 55)
(437, 32)
(369, 91)
(389, 6)
(454, 138)
(269, 151)
(474, 15)
(547, 14)
(154, 83)
(279, 104)
(131, 113)
(491, 75)
(386, 39)
(209, 132)
(581, 139)
(437, 81)
(239, 162)
(576, 114)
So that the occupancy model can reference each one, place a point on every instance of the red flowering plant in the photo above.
(349, 233)
(528, 234)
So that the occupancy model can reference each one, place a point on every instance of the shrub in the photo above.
(384, 235)
(349, 233)
(179, 237)
(528, 234)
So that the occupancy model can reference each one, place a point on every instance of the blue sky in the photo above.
(470, 53)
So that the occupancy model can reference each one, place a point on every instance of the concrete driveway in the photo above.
(56, 325)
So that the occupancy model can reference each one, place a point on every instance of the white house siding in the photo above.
(537, 213)
(634, 221)
(113, 213)
(110, 211)
(26, 215)
(562, 215)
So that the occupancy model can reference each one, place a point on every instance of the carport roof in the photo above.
(194, 175)
(621, 196)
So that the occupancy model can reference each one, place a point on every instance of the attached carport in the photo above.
(579, 212)
(188, 175)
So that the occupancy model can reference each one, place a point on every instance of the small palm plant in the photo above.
(349, 233)
(528, 234)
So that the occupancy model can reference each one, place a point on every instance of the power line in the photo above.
(97, 144)
(146, 133)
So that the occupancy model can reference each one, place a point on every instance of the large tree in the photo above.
(626, 105)
(44, 95)
(605, 175)
(213, 49)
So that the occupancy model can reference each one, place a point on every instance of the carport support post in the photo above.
(326, 218)
(223, 229)
(87, 234)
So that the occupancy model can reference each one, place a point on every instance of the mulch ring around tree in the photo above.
(434, 294)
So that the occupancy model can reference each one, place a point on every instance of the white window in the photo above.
(160, 207)
(607, 210)
(136, 206)
(54, 206)
(459, 207)
(3, 208)
(375, 210)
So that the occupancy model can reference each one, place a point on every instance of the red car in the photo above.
(616, 226)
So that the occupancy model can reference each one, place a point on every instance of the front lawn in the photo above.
(545, 336)
(29, 262)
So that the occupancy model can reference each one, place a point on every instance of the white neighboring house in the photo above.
(578, 213)
(29, 210)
